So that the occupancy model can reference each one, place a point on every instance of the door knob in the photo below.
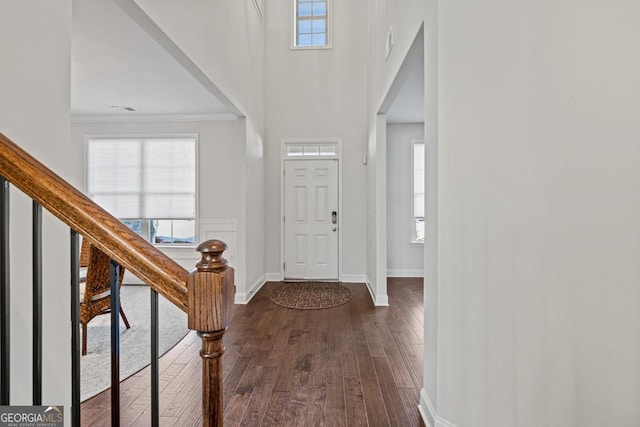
(334, 229)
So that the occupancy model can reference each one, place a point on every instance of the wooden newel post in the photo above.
(211, 296)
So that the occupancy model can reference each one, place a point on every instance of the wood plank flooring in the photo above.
(353, 365)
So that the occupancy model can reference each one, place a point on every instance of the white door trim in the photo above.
(308, 142)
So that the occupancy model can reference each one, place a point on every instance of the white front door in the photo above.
(311, 219)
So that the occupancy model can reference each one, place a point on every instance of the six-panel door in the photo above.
(311, 219)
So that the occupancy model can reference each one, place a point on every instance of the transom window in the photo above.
(314, 150)
(311, 23)
(148, 183)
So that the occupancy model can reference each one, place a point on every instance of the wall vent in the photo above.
(388, 44)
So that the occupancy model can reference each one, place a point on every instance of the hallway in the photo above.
(350, 365)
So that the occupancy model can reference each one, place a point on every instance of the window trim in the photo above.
(294, 28)
(196, 136)
(310, 142)
(412, 240)
(146, 233)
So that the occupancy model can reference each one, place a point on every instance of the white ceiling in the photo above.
(408, 107)
(114, 62)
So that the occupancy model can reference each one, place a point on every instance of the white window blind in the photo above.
(418, 179)
(418, 191)
(144, 178)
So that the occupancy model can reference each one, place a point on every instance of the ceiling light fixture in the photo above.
(122, 108)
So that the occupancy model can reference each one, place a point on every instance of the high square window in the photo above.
(311, 23)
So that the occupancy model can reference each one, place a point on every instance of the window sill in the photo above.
(416, 243)
(311, 47)
(180, 247)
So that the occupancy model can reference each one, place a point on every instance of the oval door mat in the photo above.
(310, 295)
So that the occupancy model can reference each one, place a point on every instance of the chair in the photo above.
(95, 294)
(84, 259)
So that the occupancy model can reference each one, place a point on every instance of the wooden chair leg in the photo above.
(84, 339)
(124, 318)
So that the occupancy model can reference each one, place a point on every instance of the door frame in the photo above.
(285, 146)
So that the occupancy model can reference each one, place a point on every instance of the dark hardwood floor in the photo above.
(353, 365)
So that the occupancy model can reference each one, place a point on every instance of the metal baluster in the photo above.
(155, 361)
(75, 329)
(4, 293)
(115, 342)
(37, 303)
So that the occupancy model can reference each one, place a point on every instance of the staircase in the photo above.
(206, 294)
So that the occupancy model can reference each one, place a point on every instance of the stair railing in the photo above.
(206, 294)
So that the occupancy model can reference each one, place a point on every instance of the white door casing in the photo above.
(310, 228)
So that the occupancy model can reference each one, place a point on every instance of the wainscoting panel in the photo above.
(221, 229)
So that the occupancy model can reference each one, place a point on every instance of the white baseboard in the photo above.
(426, 410)
(274, 277)
(405, 273)
(441, 422)
(378, 300)
(354, 278)
(243, 298)
(428, 413)
(382, 301)
(346, 278)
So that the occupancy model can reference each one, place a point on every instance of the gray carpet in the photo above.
(134, 343)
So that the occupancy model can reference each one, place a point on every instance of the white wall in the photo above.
(248, 183)
(254, 240)
(404, 259)
(537, 296)
(225, 39)
(530, 114)
(35, 41)
(318, 94)
(405, 17)
(377, 212)
(540, 238)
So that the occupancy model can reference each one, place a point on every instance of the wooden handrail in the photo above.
(206, 294)
(88, 219)
(211, 294)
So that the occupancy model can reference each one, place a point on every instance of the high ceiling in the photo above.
(115, 63)
(408, 104)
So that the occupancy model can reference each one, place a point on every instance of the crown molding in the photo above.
(137, 118)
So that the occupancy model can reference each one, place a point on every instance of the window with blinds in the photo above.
(149, 183)
(418, 191)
